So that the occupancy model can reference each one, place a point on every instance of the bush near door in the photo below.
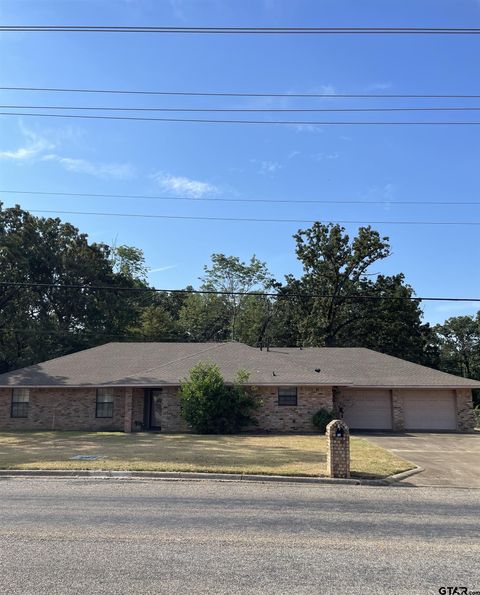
(210, 406)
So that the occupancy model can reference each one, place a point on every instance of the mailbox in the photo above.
(338, 449)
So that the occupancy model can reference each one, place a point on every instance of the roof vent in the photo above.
(318, 370)
(273, 373)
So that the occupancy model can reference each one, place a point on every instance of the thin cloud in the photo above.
(385, 193)
(305, 128)
(22, 153)
(327, 90)
(323, 156)
(269, 167)
(183, 185)
(34, 145)
(38, 147)
(161, 269)
(118, 171)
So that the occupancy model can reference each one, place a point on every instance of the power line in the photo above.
(247, 219)
(209, 121)
(236, 293)
(245, 200)
(82, 333)
(248, 110)
(245, 30)
(228, 94)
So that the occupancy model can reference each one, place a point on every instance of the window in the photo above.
(287, 395)
(104, 402)
(20, 402)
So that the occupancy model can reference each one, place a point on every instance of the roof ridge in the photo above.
(179, 359)
(295, 362)
(281, 355)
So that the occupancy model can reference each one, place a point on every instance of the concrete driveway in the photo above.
(447, 459)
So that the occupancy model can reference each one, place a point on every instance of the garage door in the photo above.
(367, 409)
(429, 410)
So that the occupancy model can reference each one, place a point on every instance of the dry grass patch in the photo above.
(266, 454)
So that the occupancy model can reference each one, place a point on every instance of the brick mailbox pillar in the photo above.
(338, 449)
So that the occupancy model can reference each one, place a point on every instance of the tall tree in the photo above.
(233, 277)
(38, 321)
(159, 320)
(254, 320)
(205, 317)
(129, 262)
(459, 339)
(333, 267)
(387, 317)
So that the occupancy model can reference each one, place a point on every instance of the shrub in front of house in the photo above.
(321, 419)
(210, 406)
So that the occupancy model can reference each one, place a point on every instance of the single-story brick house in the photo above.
(134, 386)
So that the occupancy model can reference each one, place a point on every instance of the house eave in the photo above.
(270, 383)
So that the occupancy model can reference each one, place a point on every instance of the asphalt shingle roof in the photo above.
(157, 364)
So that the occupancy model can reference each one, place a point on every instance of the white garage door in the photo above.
(367, 409)
(429, 410)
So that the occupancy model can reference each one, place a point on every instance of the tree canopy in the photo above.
(37, 321)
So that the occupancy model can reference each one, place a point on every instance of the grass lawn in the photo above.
(265, 454)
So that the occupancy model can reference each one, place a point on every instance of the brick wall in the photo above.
(172, 421)
(271, 416)
(137, 409)
(464, 405)
(74, 409)
(62, 409)
(286, 418)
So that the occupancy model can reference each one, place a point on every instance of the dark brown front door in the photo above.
(153, 409)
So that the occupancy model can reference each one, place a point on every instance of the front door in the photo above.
(153, 409)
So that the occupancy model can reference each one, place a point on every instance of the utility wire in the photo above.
(248, 110)
(236, 293)
(246, 200)
(208, 121)
(80, 333)
(245, 30)
(247, 219)
(227, 94)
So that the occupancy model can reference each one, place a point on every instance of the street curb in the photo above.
(172, 475)
(400, 476)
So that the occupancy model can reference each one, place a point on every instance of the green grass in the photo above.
(302, 455)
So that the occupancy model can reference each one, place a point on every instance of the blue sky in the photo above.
(201, 161)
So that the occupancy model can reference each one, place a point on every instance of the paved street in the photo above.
(120, 536)
(447, 459)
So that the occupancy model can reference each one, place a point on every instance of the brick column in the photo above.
(464, 405)
(397, 411)
(127, 414)
(338, 449)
